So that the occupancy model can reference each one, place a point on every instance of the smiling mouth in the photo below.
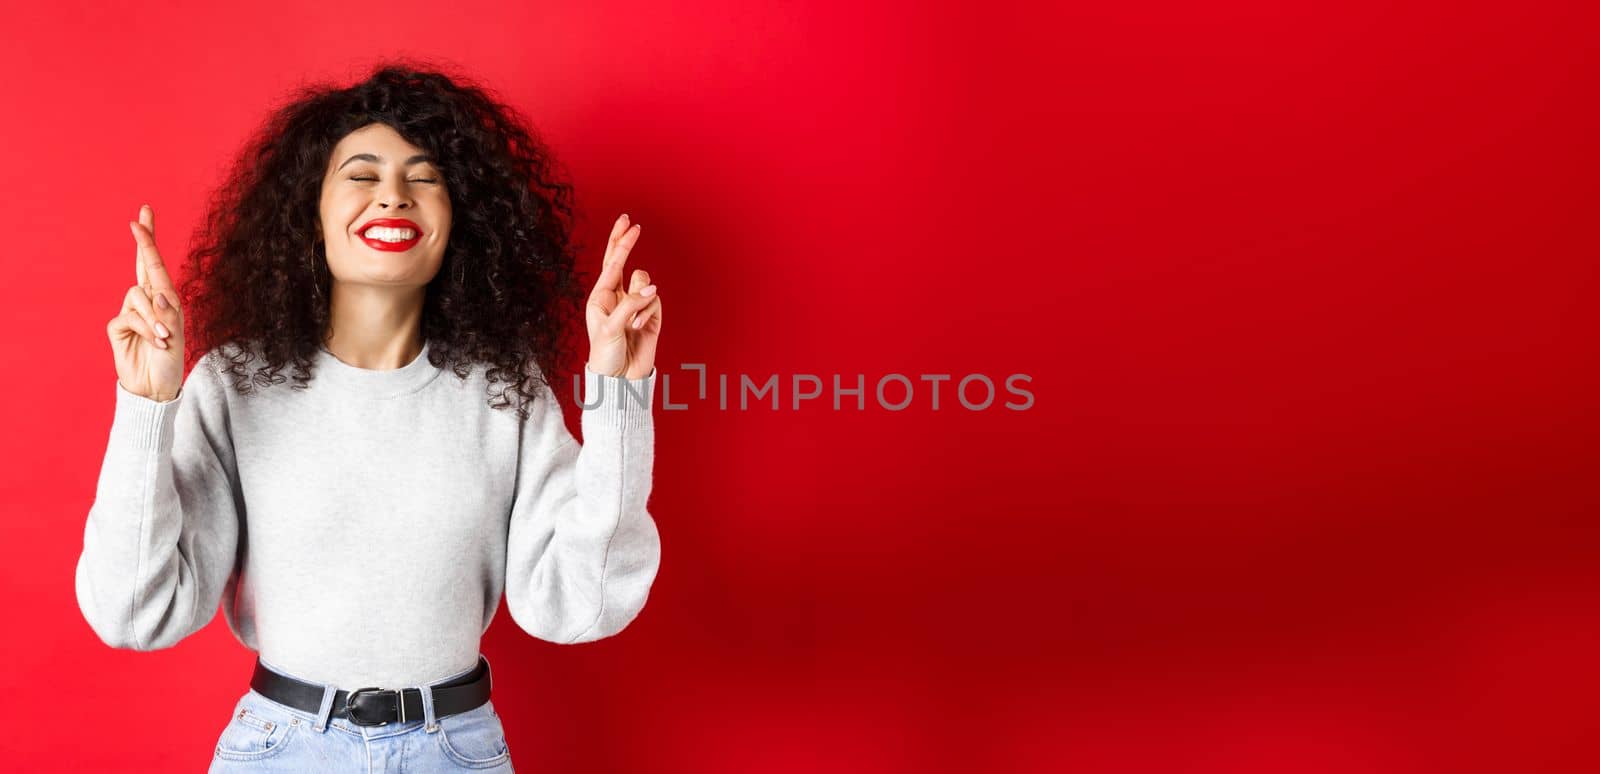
(389, 233)
(390, 237)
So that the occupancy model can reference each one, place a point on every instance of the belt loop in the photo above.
(326, 710)
(430, 721)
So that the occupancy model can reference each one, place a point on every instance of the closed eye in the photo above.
(428, 180)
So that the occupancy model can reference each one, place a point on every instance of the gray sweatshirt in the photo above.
(360, 532)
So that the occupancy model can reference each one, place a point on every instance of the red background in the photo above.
(1306, 296)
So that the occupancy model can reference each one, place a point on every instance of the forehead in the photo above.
(377, 139)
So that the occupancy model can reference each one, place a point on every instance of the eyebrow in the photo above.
(420, 157)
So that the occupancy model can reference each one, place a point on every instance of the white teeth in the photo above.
(388, 234)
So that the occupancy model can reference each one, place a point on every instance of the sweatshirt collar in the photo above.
(374, 383)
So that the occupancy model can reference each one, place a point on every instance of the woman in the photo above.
(359, 526)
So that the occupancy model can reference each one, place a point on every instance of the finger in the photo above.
(155, 269)
(138, 299)
(611, 274)
(168, 308)
(147, 218)
(645, 315)
(142, 278)
(629, 306)
(618, 228)
(641, 280)
(130, 320)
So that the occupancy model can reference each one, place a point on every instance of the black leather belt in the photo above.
(376, 706)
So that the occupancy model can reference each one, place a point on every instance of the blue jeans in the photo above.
(265, 736)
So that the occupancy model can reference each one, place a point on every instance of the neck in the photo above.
(374, 327)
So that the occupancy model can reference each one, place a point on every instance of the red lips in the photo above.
(390, 247)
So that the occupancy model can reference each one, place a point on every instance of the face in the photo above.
(384, 212)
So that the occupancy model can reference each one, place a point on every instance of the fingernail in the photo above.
(162, 343)
(624, 216)
(161, 330)
(648, 290)
(638, 322)
(161, 300)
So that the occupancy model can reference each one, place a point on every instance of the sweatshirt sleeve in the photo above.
(583, 551)
(160, 541)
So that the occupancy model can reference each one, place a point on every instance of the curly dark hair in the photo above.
(505, 295)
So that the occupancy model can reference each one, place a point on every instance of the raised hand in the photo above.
(147, 336)
(623, 324)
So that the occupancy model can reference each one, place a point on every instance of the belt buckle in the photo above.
(350, 707)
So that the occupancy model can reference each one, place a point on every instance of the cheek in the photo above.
(341, 216)
(329, 212)
(445, 220)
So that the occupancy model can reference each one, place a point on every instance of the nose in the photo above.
(394, 197)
